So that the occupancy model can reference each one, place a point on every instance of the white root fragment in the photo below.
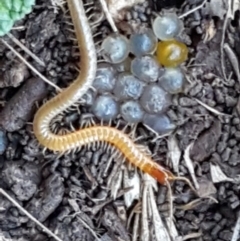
(211, 109)
(150, 212)
(134, 182)
(236, 230)
(116, 184)
(174, 153)
(172, 228)
(136, 227)
(218, 175)
(189, 165)
(144, 227)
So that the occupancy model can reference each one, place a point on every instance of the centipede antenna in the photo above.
(184, 179)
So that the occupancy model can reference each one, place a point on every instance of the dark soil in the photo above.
(83, 192)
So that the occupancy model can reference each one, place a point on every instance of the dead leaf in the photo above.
(206, 188)
(217, 8)
(218, 175)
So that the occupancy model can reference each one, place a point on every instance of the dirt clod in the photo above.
(20, 108)
(48, 199)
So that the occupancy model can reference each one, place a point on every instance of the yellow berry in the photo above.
(171, 53)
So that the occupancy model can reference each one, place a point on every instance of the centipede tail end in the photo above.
(158, 172)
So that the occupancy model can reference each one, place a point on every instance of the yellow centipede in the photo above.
(69, 96)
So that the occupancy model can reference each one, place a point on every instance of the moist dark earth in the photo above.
(80, 196)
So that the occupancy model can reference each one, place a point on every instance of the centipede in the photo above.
(69, 96)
